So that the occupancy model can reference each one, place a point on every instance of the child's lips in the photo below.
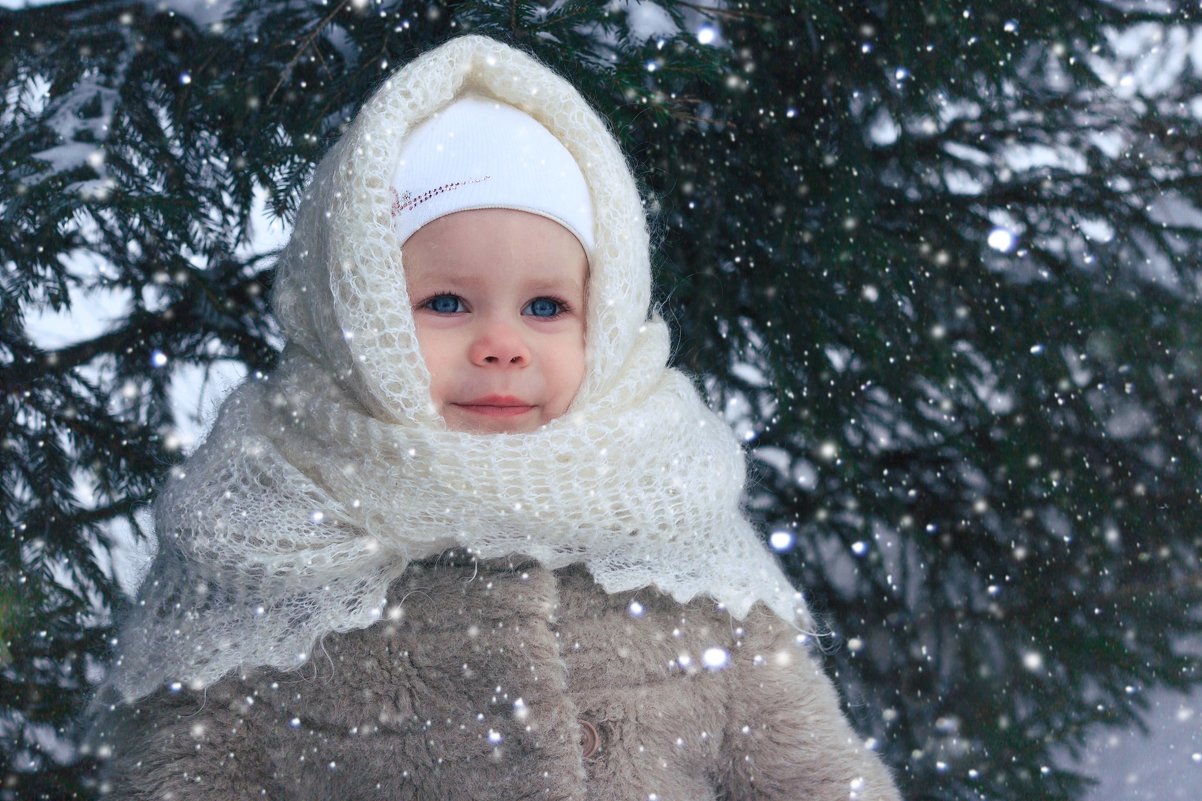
(495, 406)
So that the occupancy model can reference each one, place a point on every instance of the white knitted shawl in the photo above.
(320, 483)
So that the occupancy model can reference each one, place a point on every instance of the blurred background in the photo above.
(936, 261)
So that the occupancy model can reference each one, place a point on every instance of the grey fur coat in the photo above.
(509, 681)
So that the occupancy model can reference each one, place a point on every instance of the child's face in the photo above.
(498, 300)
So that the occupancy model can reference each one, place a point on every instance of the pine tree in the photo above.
(933, 257)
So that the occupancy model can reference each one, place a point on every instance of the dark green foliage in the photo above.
(989, 455)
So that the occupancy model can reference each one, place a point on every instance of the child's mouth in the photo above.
(496, 406)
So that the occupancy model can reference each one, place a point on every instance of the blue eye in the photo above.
(445, 304)
(544, 307)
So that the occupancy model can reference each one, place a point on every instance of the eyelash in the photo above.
(428, 302)
(564, 306)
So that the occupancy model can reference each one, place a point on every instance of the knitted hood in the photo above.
(339, 288)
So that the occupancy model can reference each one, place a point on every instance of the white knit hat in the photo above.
(481, 154)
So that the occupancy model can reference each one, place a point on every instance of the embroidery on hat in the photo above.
(408, 201)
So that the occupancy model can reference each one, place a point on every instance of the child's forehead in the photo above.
(498, 274)
(499, 246)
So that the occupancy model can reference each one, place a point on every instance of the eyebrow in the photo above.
(451, 277)
(539, 285)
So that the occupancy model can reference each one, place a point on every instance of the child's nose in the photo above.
(499, 345)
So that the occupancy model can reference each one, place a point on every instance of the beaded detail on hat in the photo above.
(408, 201)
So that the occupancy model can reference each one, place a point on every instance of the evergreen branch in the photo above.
(304, 45)
(125, 507)
(20, 376)
(1125, 15)
(715, 12)
(178, 316)
(558, 19)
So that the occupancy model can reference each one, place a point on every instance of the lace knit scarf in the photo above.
(320, 483)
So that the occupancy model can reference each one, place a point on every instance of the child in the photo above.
(472, 539)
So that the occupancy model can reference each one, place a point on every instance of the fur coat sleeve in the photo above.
(511, 683)
(181, 745)
(785, 733)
